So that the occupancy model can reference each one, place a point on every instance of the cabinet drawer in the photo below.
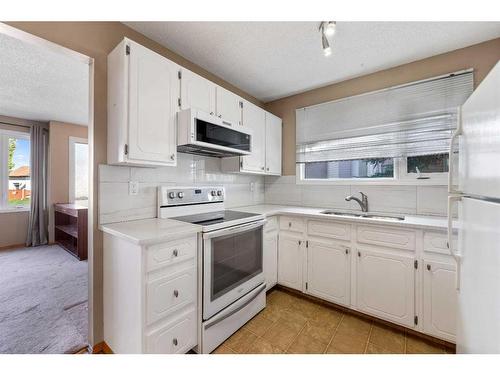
(172, 252)
(330, 229)
(436, 242)
(294, 224)
(176, 337)
(385, 236)
(272, 224)
(167, 294)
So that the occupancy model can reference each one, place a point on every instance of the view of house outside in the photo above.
(19, 172)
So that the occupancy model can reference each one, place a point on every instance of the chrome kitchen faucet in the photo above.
(363, 202)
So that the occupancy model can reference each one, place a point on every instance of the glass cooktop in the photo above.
(216, 217)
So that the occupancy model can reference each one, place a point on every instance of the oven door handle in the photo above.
(234, 309)
(234, 230)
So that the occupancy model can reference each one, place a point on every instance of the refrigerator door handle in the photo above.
(456, 134)
(449, 243)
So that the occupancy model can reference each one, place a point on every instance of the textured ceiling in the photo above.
(270, 60)
(39, 84)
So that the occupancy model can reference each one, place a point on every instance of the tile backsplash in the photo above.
(115, 203)
(413, 200)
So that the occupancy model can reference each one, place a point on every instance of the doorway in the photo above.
(46, 295)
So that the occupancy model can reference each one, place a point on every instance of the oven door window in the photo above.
(235, 258)
(221, 136)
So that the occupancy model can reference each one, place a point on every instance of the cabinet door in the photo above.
(254, 118)
(328, 271)
(270, 258)
(385, 285)
(290, 261)
(440, 300)
(273, 144)
(197, 92)
(228, 106)
(153, 95)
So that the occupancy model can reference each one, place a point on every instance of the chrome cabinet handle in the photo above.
(175, 252)
(220, 116)
(175, 342)
(290, 224)
(262, 168)
(359, 254)
(347, 250)
(212, 113)
(428, 267)
(172, 157)
(176, 293)
(268, 169)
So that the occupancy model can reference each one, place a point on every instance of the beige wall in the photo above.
(482, 57)
(13, 228)
(58, 184)
(96, 40)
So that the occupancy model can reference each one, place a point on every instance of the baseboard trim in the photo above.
(12, 247)
(101, 348)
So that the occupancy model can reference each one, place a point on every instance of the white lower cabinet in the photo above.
(328, 271)
(270, 258)
(290, 260)
(176, 337)
(440, 299)
(150, 295)
(385, 285)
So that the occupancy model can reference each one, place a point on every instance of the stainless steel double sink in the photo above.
(366, 215)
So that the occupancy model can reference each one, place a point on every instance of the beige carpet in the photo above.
(43, 301)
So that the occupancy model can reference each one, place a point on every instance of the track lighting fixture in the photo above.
(327, 29)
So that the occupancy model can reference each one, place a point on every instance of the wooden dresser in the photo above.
(70, 230)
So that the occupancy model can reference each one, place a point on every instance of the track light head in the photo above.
(327, 50)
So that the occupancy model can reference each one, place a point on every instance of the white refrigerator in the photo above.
(478, 199)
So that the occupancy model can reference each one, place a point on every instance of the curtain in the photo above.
(38, 219)
(408, 120)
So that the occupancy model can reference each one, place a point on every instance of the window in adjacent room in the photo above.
(15, 172)
(78, 170)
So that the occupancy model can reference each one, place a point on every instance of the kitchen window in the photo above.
(399, 135)
(15, 173)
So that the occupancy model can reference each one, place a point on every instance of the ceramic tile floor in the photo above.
(290, 324)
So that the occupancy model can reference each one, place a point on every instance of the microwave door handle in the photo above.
(234, 230)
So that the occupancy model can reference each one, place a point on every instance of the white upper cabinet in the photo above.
(266, 143)
(197, 92)
(328, 271)
(143, 94)
(440, 299)
(385, 285)
(273, 144)
(228, 106)
(255, 118)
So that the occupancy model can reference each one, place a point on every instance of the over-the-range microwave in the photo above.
(202, 134)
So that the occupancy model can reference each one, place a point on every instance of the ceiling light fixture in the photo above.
(327, 50)
(327, 29)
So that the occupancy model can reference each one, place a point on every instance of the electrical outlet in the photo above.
(133, 187)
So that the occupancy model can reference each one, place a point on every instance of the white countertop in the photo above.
(422, 222)
(150, 231)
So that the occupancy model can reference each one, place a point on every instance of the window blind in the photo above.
(408, 120)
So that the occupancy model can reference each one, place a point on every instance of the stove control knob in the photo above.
(219, 193)
(180, 194)
(171, 195)
(214, 193)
